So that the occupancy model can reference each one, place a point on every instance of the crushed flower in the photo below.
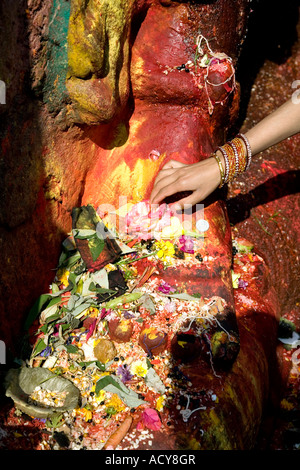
(242, 284)
(63, 276)
(115, 404)
(165, 249)
(165, 288)
(124, 373)
(160, 403)
(187, 244)
(149, 419)
(139, 368)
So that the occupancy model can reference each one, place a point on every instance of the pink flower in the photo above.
(91, 329)
(165, 288)
(149, 419)
(144, 219)
(187, 244)
(104, 313)
(242, 284)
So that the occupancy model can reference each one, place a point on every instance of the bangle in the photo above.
(236, 156)
(238, 142)
(232, 160)
(248, 147)
(226, 160)
(236, 159)
(216, 157)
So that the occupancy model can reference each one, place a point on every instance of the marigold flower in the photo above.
(63, 276)
(116, 403)
(165, 249)
(160, 403)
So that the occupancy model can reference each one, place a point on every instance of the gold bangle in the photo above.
(221, 169)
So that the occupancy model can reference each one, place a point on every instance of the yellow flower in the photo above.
(63, 276)
(139, 368)
(101, 395)
(86, 413)
(165, 249)
(116, 403)
(160, 403)
(286, 405)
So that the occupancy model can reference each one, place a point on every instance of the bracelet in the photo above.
(216, 157)
(232, 160)
(248, 147)
(236, 159)
(241, 152)
(236, 156)
(226, 160)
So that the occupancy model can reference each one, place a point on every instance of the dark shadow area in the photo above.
(26, 222)
(239, 207)
(272, 32)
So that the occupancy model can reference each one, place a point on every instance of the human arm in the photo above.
(204, 177)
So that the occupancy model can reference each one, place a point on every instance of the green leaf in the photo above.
(148, 303)
(54, 317)
(44, 328)
(139, 320)
(182, 296)
(45, 300)
(104, 382)
(100, 290)
(70, 261)
(114, 385)
(153, 380)
(73, 278)
(84, 234)
(39, 347)
(80, 308)
(124, 299)
(71, 349)
(96, 246)
(55, 421)
(54, 288)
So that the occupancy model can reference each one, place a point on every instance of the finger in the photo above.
(164, 174)
(190, 200)
(173, 164)
(167, 182)
(166, 187)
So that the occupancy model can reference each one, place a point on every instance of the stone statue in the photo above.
(140, 96)
(133, 93)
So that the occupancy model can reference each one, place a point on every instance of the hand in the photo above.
(202, 178)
